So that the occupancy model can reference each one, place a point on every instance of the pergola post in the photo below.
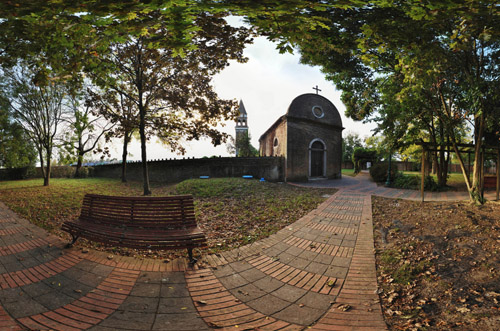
(498, 174)
(481, 180)
(423, 173)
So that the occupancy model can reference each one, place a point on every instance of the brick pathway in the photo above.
(363, 184)
(317, 273)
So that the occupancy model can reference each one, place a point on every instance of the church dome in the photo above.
(316, 108)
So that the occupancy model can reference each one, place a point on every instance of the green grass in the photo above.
(231, 211)
(348, 172)
(455, 179)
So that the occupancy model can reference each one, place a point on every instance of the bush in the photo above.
(19, 173)
(430, 184)
(406, 181)
(379, 172)
(413, 182)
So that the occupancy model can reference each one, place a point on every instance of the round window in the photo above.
(275, 142)
(318, 111)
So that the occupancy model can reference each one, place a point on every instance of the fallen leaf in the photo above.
(344, 307)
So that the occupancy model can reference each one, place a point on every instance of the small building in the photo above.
(309, 137)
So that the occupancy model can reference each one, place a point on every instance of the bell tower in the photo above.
(241, 124)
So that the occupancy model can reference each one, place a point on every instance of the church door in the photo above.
(317, 159)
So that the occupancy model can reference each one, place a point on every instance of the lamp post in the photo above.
(388, 182)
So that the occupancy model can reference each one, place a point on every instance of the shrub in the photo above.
(430, 184)
(379, 172)
(406, 181)
(414, 181)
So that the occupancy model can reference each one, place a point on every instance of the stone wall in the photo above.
(169, 171)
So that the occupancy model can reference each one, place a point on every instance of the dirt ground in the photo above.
(438, 264)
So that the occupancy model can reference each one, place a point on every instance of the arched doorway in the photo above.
(317, 158)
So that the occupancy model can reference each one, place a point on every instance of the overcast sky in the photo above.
(267, 84)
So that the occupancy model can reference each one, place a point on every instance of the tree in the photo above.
(41, 110)
(349, 143)
(173, 94)
(16, 149)
(86, 130)
(118, 109)
(432, 66)
(242, 146)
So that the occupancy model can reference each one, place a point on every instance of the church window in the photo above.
(275, 142)
(318, 111)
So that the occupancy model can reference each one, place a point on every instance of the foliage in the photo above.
(70, 37)
(413, 182)
(349, 143)
(116, 108)
(85, 132)
(379, 171)
(173, 95)
(415, 67)
(362, 155)
(40, 109)
(16, 149)
(242, 147)
(406, 181)
(430, 184)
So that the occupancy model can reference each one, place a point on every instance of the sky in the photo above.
(267, 84)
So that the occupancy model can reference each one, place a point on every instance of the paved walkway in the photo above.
(362, 183)
(318, 272)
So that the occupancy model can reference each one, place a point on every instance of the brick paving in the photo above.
(318, 273)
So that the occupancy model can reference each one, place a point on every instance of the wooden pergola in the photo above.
(463, 148)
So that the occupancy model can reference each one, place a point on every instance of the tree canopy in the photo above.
(413, 67)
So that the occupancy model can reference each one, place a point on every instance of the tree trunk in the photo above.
(42, 167)
(435, 164)
(46, 179)
(142, 133)
(476, 187)
(124, 156)
(79, 163)
(443, 168)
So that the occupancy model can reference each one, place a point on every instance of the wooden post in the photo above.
(481, 180)
(498, 174)
(468, 167)
(423, 173)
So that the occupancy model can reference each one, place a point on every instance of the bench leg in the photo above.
(192, 260)
(69, 245)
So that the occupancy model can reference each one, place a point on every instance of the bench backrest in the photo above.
(154, 212)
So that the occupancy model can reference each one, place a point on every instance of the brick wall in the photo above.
(168, 171)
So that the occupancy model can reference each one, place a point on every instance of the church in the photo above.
(309, 137)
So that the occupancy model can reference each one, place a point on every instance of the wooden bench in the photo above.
(154, 223)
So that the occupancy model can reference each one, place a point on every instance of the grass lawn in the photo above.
(231, 211)
(348, 172)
